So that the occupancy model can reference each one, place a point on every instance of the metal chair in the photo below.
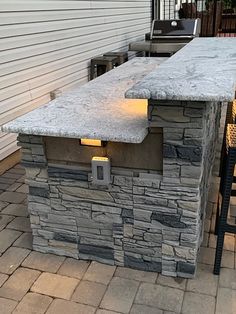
(227, 179)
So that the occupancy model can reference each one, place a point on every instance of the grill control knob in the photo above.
(174, 23)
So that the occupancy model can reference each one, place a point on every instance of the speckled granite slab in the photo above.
(96, 110)
(204, 70)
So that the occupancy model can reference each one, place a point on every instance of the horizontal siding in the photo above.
(48, 44)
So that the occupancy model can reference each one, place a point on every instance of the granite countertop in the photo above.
(204, 70)
(96, 110)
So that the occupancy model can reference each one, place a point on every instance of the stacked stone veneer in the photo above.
(142, 219)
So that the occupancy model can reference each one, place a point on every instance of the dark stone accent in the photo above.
(29, 164)
(172, 220)
(54, 172)
(139, 263)
(169, 151)
(98, 251)
(37, 191)
(127, 213)
(186, 268)
(190, 153)
(129, 221)
(65, 237)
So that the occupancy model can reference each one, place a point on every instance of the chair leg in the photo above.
(226, 187)
(217, 217)
(219, 251)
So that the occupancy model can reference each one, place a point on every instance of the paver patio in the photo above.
(32, 282)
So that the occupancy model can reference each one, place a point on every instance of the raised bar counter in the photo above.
(96, 110)
(138, 199)
(204, 70)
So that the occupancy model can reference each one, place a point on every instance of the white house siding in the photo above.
(47, 45)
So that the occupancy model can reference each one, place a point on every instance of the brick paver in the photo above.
(55, 285)
(90, 293)
(165, 298)
(62, 307)
(7, 306)
(33, 303)
(37, 283)
(120, 294)
(73, 268)
(12, 259)
(19, 283)
(195, 303)
(44, 262)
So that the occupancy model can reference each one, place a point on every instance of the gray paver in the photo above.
(102, 311)
(134, 274)
(12, 259)
(44, 262)
(4, 220)
(173, 282)
(7, 306)
(12, 197)
(165, 298)
(195, 303)
(204, 282)
(16, 210)
(19, 283)
(120, 295)
(226, 301)
(227, 259)
(55, 285)
(23, 189)
(73, 268)
(227, 278)
(144, 309)
(90, 293)
(33, 303)
(99, 273)
(3, 278)
(14, 186)
(7, 237)
(3, 205)
(20, 223)
(62, 307)
(24, 241)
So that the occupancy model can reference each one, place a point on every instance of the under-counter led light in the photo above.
(90, 142)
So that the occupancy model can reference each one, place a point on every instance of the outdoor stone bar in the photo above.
(125, 181)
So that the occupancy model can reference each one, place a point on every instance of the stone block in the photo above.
(139, 263)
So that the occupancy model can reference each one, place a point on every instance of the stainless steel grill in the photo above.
(185, 29)
(168, 36)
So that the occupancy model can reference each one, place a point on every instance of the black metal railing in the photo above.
(218, 18)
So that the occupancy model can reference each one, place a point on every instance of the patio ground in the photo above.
(32, 282)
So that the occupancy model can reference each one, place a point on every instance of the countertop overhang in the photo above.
(204, 70)
(96, 110)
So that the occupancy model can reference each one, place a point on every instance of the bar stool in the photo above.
(101, 65)
(227, 178)
(121, 56)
